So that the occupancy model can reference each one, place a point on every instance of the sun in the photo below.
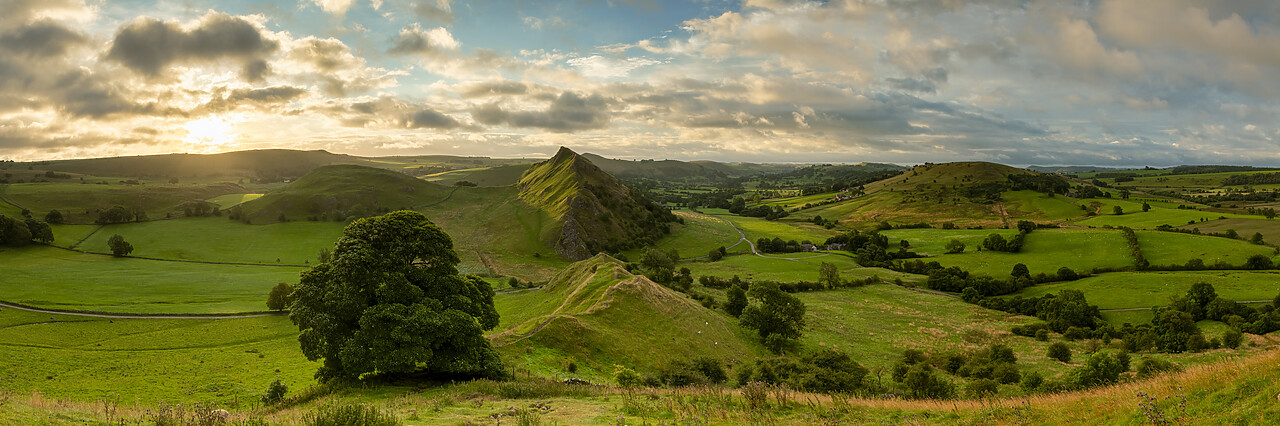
(209, 133)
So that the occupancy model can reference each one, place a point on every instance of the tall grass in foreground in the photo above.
(1241, 391)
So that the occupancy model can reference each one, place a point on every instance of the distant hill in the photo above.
(488, 176)
(599, 311)
(832, 173)
(737, 170)
(270, 164)
(1066, 170)
(339, 192)
(596, 211)
(664, 170)
(962, 193)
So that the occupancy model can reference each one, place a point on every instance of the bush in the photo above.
(981, 388)
(275, 392)
(280, 297)
(1032, 381)
(627, 378)
(1232, 338)
(1153, 366)
(1099, 369)
(350, 415)
(923, 383)
(1060, 352)
(1042, 335)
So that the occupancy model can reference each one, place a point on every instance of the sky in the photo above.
(1099, 82)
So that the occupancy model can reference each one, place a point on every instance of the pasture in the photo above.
(1046, 250)
(217, 239)
(1121, 290)
(1134, 217)
(145, 361)
(56, 278)
(1171, 248)
(77, 201)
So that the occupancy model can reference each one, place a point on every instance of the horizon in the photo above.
(1115, 83)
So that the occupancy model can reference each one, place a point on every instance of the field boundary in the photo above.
(124, 315)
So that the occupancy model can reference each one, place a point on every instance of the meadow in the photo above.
(56, 278)
(1171, 248)
(1122, 290)
(1044, 250)
(289, 243)
(1134, 217)
(77, 201)
(144, 361)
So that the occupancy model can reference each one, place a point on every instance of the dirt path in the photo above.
(488, 263)
(142, 316)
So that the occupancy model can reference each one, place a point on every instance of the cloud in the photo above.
(336, 7)
(391, 113)
(535, 23)
(1076, 47)
(596, 66)
(414, 40)
(149, 46)
(264, 98)
(44, 38)
(494, 88)
(326, 54)
(437, 10)
(569, 112)
(17, 12)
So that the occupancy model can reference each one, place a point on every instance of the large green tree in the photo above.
(391, 301)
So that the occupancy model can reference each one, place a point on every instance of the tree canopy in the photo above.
(391, 301)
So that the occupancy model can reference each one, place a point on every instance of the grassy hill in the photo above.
(963, 193)
(338, 192)
(597, 314)
(664, 170)
(596, 211)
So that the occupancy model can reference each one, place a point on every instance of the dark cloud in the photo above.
(149, 46)
(913, 84)
(388, 112)
(436, 10)
(567, 113)
(224, 100)
(43, 39)
(496, 88)
(431, 119)
(15, 12)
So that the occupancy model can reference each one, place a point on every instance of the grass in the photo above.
(496, 223)
(229, 362)
(1270, 229)
(1046, 250)
(54, 278)
(756, 228)
(226, 201)
(1037, 206)
(217, 239)
(78, 201)
(348, 190)
(699, 235)
(1170, 248)
(934, 241)
(752, 267)
(1134, 217)
(1122, 290)
(487, 176)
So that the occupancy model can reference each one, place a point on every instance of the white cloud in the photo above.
(336, 7)
(596, 66)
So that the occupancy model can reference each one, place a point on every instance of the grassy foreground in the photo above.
(1240, 391)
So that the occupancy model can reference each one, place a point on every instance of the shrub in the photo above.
(1153, 366)
(1099, 369)
(275, 392)
(1032, 381)
(981, 388)
(280, 297)
(923, 383)
(1042, 335)
(627, 378)
(1232, 338)
(1060, 352)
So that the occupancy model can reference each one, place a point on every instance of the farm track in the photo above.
(4, 190)
(114, 315)
(446, 198)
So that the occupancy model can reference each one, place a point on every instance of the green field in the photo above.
(1121, 290)
(1270, 229)
(1031, 205)
(1045, 251)
(55, 278)
(78, 201)
(1134, 217)
(225, 201)
(216, 239)
(483, 176)
(138, 361)
(933, 241)
(699, 235)
(756, 228)
(1171, 248)
(495, 222)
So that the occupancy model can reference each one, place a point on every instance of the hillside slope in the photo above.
(338, 192)
(269, 164)
(596, 211)
(964, 193)
(599, 315)
(664, 170)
